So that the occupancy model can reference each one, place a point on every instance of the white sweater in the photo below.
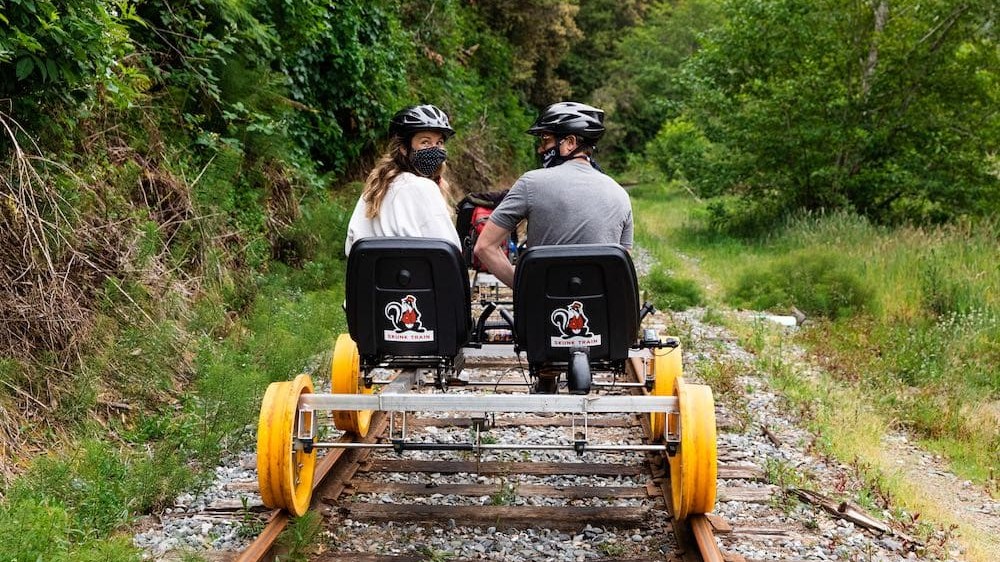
(413, 206)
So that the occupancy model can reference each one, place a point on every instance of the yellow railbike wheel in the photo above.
(284, 469)
(666, 367)
(345, 378)
(706, 454)
(693, 470)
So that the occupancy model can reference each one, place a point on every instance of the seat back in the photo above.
(407, 297)
(575, 295)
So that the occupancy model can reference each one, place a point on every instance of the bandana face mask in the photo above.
(426, 161)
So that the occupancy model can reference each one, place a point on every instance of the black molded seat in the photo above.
(575, 295)
(407, 297)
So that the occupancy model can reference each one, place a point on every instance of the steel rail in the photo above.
(701, 527)
(261, 548)
(696, 527)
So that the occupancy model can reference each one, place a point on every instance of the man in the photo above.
(567, 201)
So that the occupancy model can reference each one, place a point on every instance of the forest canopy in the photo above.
(887, 108)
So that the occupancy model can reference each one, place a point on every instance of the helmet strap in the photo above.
(552, 157)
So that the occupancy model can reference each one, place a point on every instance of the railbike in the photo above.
(409, 310)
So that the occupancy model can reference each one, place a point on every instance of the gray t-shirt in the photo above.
(568, 204)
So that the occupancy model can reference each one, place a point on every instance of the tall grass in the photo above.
(930, 352)
(934, 270)
(673, 283)
(72, 503)
(850, 426)
(818, 282)
(906, 319)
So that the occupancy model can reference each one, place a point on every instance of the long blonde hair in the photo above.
(392, 163)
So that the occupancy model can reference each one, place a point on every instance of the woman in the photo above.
(405, 194)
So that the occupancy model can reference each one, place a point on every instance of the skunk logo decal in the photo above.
(573, 326)
(405, 319)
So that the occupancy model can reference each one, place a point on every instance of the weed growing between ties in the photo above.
(723, 377)
(785, 477)
(300, 537)
(506, 495)
(609, 548)
(250, 524)
(484, 436)
(434, 554)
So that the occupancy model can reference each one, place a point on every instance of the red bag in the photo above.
(480, 215)
(473, 213)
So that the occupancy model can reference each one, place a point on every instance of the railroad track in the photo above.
(473, 498)
(473, 502)
(590, 445)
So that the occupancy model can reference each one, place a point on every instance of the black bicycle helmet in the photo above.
(416, 118)
(570, 118)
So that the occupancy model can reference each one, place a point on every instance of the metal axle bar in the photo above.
(595, 384)
(408, 446)
(494, 403)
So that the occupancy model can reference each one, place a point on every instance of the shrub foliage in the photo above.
(820, 283)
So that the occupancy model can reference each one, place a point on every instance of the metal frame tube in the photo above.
(595, 384)
(487, 447)
(494, 403)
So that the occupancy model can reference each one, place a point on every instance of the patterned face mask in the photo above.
(551, 157)
(427, 160)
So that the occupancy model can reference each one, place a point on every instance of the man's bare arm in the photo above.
(490, 251)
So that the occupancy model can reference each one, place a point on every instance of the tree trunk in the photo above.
(881, 15)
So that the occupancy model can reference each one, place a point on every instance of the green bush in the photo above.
(346, 63)
(778, 88)
(670, 292)
(466, 68)
(820, 283)
(57, 49)
(318, 238)
(742, 217)
(32, 530)
(641, 85)
(679, 146)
